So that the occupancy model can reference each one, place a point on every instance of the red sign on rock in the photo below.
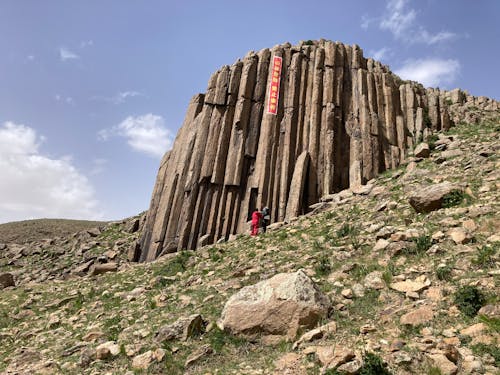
(274, 87)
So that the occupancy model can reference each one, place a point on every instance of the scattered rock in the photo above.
(459, 236)
(316, 334)
(422, 150)
(430, 198)
(374, 280)
(444, 364)
(416, 285)
(421, 315)
(107, 350)
(202, 352)
(182, 329)
(6, 280)
(98, 269)
(332, 357)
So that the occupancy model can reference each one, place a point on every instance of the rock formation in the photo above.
(341, 119)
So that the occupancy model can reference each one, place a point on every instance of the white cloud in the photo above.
(34, 185)
(430, 72)
(380, 54)
(146, 134)
(65, 54)
(398, 20)
(120, 97)
(401, 20)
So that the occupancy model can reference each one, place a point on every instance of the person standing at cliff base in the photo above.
(256, 217)
(266, 218)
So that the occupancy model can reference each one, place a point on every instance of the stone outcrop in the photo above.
(279, 306)
(341, 119)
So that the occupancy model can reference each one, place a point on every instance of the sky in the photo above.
(92, 93)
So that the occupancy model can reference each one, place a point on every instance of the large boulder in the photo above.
(279, 306)
(430, 198)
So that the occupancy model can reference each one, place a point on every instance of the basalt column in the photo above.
(340, 120)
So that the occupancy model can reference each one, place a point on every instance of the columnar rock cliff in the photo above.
(341, 119)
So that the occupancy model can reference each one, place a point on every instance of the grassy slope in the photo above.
(35, 230)
(335, 247)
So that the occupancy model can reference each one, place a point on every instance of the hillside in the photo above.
(39, 229)
(395, 279)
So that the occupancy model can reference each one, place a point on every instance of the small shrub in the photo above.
(485, 256)
(308, 42)
(444, 272)
(422, 243)
(373, 365)
(453, 198)
(113, 327)
(431, 141)
(346, 230)
(323, 266)
(215, 255)
(469, 299)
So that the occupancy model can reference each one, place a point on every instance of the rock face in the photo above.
(341, 119)
(275, 307)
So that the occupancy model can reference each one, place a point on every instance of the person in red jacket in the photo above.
(256, 217)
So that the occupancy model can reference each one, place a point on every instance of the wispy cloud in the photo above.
(402, 22)
(34, 185)
(64, 99)
(147, 134)
(380, 54)
(65, 54)
(86, 43)
(430, 72)
(118, 98)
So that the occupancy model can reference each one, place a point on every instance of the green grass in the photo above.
(492, 349)
(443, 273)
(373, 365)
(485, 256)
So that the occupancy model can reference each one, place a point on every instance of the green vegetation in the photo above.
(492, 349)
(422, 243)
(493, 323)
(444, 273)
(469, 299)
(485, 255)
(373, 365)
(323, 266)
(453, 198)
(218, 339)
(176, 265)
(431, 141)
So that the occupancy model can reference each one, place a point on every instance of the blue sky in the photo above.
(93, 92)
